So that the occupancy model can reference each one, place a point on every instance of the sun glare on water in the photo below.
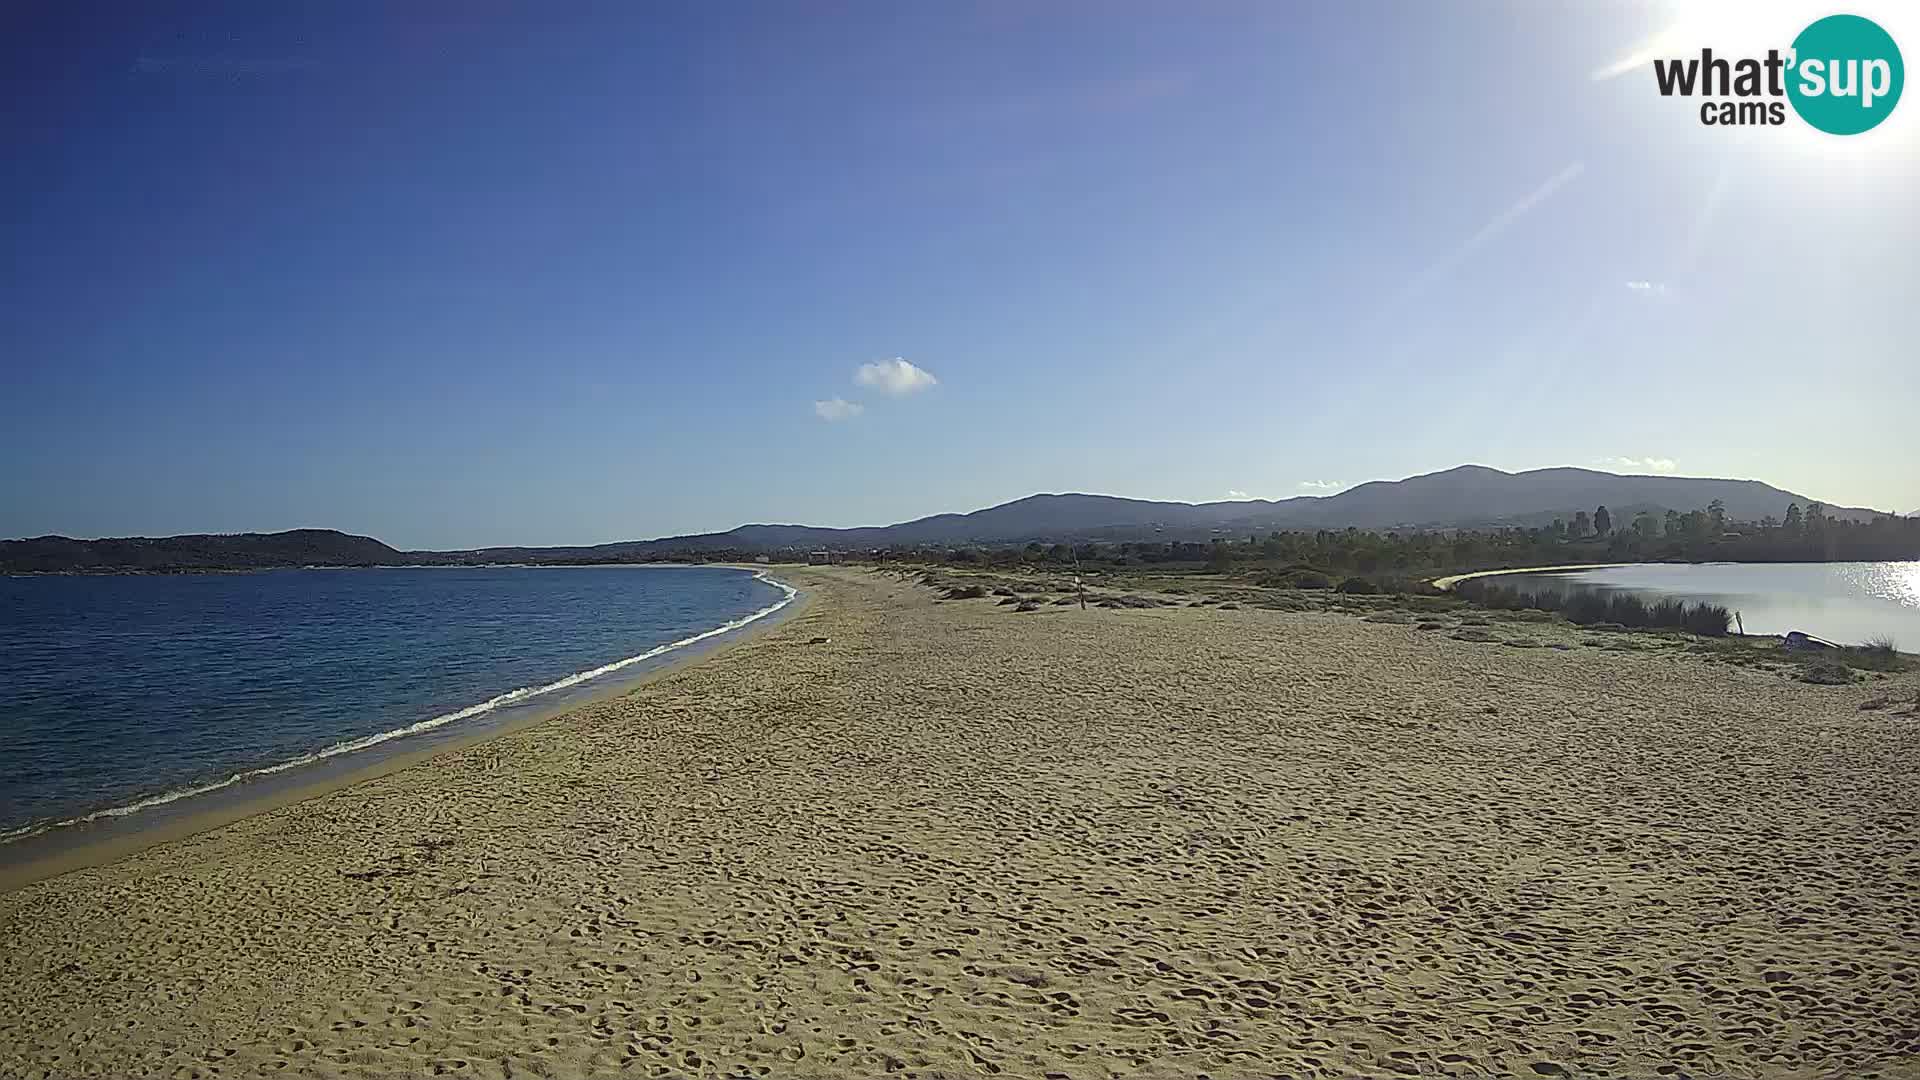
(1905, 583)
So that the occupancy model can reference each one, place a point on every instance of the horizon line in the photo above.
(1250, 501)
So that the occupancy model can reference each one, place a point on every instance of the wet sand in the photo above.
(957, 841)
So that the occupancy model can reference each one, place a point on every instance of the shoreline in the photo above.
(105, 836)
(192, 571)
(913, 837)
(1446, 584)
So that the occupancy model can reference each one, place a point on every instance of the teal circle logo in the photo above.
(1846, 74)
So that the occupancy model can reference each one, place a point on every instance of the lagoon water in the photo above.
(1849, 602)
(128, 692)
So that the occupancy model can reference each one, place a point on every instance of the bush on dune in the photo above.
(1295, 577)
(1842, 666)
(1877, 655)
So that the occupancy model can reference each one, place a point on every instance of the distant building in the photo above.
(763, 558)
(822, 558)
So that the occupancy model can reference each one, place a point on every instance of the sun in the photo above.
(1729, 29)
(1749, 28)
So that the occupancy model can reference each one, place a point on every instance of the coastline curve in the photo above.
(1446, 584)
(300, 771)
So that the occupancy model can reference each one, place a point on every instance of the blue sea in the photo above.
(123, 694)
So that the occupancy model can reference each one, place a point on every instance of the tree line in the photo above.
(1704, 535)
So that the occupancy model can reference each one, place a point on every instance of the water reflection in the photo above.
(1848, 602)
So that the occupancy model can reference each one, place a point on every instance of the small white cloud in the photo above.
(1637, 465)
(1321, 485)
(837, 409)
(1647, 288)
(1236, 493)
(896, 376)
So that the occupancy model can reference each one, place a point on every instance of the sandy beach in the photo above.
(956, 841)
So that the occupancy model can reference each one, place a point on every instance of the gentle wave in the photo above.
(366, 742)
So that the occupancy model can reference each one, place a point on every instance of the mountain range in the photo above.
(1463, 497)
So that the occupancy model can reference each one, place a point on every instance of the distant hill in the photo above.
(1477, 495)
(1467, 496)
(235, 551)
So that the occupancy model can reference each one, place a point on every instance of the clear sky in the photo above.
(468, 274)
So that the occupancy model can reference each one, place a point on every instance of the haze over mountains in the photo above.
(1467, 496)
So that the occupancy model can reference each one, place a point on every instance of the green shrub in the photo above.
(1594, 607)
(1876, 655)
(1709, 620)
(1295, 577)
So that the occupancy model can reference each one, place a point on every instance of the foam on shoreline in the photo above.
(350, 746)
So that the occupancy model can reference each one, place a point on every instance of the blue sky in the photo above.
(462, 275)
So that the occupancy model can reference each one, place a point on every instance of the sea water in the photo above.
(121, 694)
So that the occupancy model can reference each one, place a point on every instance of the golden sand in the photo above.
(956, 841)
